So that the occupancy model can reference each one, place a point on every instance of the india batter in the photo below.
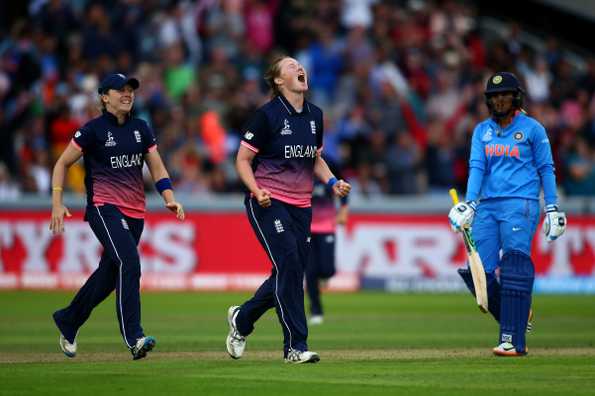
(510, 162)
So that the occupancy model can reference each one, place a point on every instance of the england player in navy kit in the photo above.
(114, 147)
(277, 159)
(511, 160)
(321, 265)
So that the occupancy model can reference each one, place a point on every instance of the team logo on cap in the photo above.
(518, 136)
(497, 79)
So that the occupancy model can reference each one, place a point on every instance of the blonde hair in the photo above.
(273, 72)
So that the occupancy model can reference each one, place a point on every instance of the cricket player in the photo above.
(510, 162)
(321, 265)
(278, 157)
(114, 147)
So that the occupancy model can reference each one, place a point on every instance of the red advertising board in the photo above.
(218, 251)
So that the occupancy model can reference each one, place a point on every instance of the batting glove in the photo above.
(554, 223)
(461, 215)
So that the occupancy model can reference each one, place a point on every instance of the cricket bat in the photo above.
(475, 264)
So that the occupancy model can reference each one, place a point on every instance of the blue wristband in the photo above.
(331, 182)
(163, 184)
(472, 204)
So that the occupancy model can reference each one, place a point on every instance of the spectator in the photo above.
(9, 190)
(379, 67)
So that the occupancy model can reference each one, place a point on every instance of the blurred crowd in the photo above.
(401, 84)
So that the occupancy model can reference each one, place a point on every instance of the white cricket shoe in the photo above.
(236, 343)
(68, 348)
(316, 320)
(507, 349)
(297, 357)
(142, 346)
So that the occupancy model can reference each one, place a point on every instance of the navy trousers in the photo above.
(321, 265)
(119, 269)
(284, 232)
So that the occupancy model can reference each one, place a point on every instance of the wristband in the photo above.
(56, 188)
(163, 184)
(331, 182)
(472, 204)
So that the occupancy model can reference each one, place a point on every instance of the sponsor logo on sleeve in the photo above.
(77, 134)
(248, 135)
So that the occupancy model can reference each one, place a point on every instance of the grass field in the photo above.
(370, 344)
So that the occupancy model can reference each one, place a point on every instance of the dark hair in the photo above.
(273, 72)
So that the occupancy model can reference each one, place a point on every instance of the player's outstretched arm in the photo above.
(70, 155)
(163, 183)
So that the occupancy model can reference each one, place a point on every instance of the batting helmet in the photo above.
(505, 82)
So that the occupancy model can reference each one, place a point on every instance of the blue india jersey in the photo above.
(514, 162)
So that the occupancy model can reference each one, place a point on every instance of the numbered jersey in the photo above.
(286, 144)
(113, 156)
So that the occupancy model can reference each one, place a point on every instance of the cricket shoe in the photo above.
(142, 346)
(68, 348)
(297, 357)
(507, 349)
(236, 343)
(316, 320)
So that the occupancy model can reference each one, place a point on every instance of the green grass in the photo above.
(370, 344)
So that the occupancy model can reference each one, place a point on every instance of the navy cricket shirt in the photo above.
(113, 156)
(286, 144)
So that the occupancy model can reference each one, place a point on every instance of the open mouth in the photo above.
(302, 78)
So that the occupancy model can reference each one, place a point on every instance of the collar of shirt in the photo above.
(290, 109)
(512, 124)
(112, 119)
